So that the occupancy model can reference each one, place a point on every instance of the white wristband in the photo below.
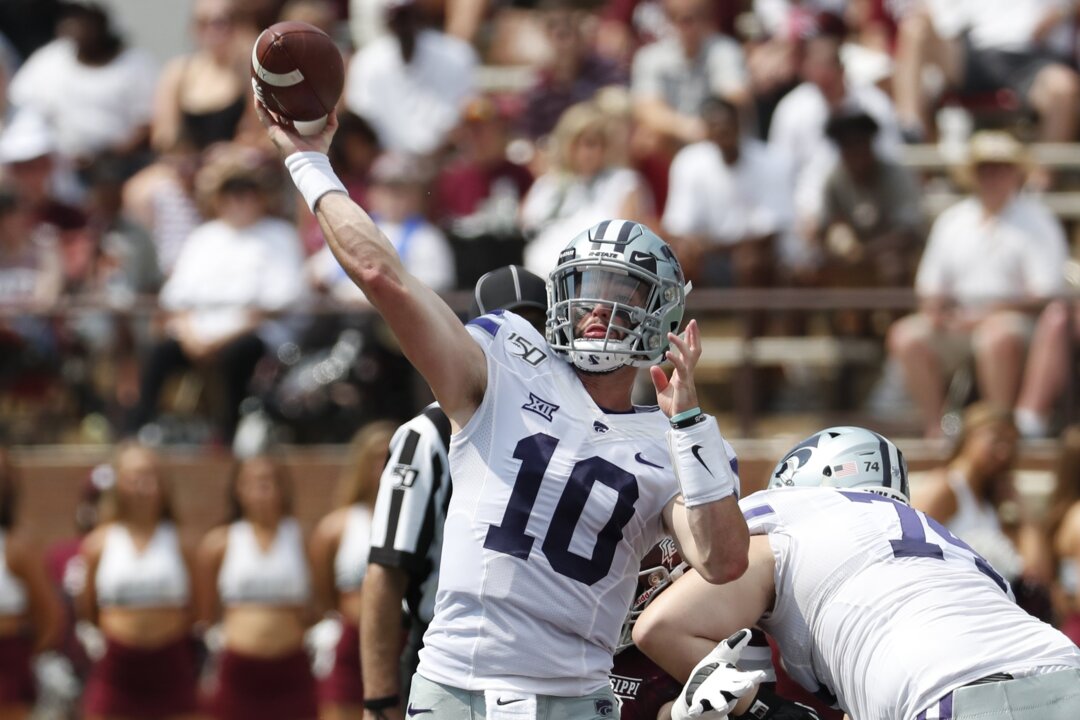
(701, 463)
(313, 176)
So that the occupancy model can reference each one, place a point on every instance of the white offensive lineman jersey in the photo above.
(555, 502)
(880, 606)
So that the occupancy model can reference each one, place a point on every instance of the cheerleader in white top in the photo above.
(138, 592)
(29, 613)
(339, 553)
(253, 574)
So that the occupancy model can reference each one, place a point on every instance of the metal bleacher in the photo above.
(932, 159)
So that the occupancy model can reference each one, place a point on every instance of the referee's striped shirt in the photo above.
(414, 492)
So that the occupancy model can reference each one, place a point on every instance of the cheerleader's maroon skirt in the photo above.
(135, 682)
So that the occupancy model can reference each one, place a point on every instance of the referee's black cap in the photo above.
(510, 287)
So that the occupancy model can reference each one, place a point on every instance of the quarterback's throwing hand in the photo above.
(715, 684)
(288, 141)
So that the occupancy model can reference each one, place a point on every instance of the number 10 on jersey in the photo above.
(509, 536)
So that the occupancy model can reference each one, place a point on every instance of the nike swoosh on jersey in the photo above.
(417, 711)
(696, 449)
(500, 701)
(643, 461)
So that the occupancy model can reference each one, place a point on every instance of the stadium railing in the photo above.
(739, 337)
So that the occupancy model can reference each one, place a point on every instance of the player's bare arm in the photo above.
(677, 644)
(431, 335)
(676, 634)
(711, 533)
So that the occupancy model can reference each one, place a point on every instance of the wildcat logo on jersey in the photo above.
(625, 688)
(604, 707)
(600, 427)
(541, 407)
(525, 350)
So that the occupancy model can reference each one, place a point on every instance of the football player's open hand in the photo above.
(678, 393)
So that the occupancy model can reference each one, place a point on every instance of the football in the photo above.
(298, 74)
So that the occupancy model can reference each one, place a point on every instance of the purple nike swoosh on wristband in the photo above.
(417, 711)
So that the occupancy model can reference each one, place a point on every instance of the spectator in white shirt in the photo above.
(673, 76)
(96, 93)
(730, 207)
(411, 84)
(987, 258)
(798, 127)
(233, 271)
(987, 45)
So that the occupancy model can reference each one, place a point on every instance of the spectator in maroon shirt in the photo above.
(477, 194)
(574, 72)
(470, 188)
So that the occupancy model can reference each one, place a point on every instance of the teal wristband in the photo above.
(685, 415)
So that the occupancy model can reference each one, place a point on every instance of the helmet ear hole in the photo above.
(827, 472)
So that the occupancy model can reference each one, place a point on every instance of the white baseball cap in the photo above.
(27, 137)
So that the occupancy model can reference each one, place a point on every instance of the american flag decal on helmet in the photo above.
(846, 469)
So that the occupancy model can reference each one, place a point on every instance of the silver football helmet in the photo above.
(660, 567)
(845, 457)
(613, 297)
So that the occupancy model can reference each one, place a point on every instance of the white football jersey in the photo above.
(555, 502)
(881, 607)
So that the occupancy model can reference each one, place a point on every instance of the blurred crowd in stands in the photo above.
(151, 250)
